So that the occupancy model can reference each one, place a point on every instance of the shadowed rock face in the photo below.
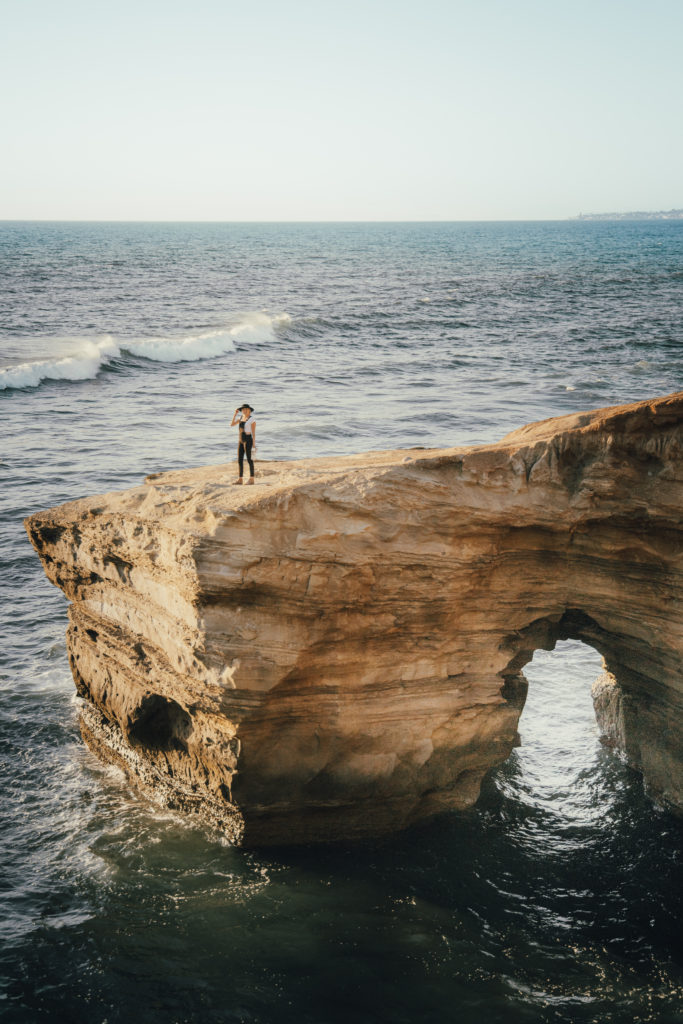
(338, 651)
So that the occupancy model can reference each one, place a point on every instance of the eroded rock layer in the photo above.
(338, 650)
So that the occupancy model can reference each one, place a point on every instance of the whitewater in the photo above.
(87, 356)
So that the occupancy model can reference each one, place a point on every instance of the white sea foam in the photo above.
(184, 348)
(86, 356)
(252, 328)
(259, 328)
(82, 364)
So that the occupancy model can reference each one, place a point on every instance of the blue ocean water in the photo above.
(124, 349)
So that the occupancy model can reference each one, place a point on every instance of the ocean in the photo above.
(124, 349)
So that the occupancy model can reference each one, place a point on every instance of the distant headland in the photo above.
(636, 215)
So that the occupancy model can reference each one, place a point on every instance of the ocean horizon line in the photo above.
(123, 220)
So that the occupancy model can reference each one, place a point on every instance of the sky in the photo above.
(339, 109)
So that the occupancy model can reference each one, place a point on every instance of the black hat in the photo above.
(245, 405)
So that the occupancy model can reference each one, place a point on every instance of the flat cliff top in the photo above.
(190, 498)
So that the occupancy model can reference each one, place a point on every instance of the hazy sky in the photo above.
(339, 109)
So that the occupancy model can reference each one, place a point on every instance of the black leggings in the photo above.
(245, 446)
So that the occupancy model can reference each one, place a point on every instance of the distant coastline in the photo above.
(636, 215)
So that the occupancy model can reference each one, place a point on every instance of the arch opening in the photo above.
(634, 697)
(560, 767)
(570, 646)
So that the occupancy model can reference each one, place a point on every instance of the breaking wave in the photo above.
(83, 364)
(88, 356)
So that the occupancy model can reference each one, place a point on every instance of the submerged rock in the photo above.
(337, 651)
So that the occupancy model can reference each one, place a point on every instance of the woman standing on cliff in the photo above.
(244, 419)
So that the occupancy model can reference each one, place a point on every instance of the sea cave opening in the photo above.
(560, 766)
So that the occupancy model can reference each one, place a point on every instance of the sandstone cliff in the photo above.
(338, 650)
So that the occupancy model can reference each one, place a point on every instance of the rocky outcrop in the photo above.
(338, 650)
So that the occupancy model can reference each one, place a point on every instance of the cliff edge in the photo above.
(338, 650)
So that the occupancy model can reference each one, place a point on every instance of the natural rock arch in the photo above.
(609, 697)
(337, 651)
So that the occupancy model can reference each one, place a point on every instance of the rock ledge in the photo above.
(338, 651)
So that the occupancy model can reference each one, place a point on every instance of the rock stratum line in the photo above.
(337, 652)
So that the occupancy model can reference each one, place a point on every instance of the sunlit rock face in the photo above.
(338, 650)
